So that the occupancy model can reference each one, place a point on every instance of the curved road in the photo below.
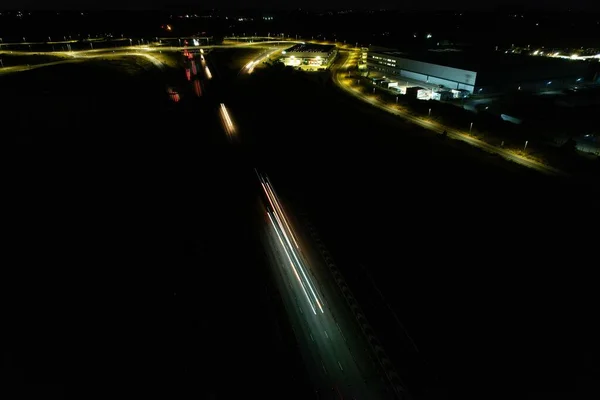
(437, 127)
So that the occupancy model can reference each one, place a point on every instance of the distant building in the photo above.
(488, 73)
(309, 56)
(362, 61)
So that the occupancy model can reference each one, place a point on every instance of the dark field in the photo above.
(125, 198)
(469, 250)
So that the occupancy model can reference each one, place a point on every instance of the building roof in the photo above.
(481, 61)
(311, 48)
(495, 63)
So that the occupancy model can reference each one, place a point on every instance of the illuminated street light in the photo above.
(525, 147)
(471, 127)
(430, 112)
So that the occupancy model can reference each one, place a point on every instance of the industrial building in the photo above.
(489, 73)
(309, 56)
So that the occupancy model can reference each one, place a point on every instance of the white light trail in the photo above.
(228, 124)
(276, 212)
(292, 264)
(208, 74)
(312, 290)
(280, 209)
(268, 197)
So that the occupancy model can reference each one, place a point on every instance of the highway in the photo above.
(436, 127)
(329, 340)
(147, 52)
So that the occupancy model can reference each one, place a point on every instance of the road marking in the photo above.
(311, 337)
(341, 333)
(340, 366)
(326, 335)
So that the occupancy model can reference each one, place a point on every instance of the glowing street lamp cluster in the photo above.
(292, 251)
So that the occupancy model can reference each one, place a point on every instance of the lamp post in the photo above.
(429, 111)
(471, 128)
(525, 147)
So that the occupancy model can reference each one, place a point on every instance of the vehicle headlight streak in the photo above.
(227, 123)
(292, 263)
(280, 210)
(279, 216)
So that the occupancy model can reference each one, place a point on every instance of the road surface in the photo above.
(329, 340)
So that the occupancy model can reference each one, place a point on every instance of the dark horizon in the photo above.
(434, 5)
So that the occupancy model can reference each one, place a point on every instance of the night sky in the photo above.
(397, 4)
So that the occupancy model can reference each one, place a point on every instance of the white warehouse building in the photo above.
(479, 73)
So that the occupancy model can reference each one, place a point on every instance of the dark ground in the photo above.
(137, 261)
(486, 263)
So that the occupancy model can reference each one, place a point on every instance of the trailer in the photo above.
(419, 92)
(389, 84)
(443, 95)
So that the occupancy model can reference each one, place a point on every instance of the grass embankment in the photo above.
(96, 99)
(10, 59)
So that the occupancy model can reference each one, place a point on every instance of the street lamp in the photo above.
(471, 127)
(525, 147)
(396, 99)
(429, 111)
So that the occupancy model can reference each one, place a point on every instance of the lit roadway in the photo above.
(432, 125)
(328, 337)
(79, 56)
(249, 68)
(143, 51)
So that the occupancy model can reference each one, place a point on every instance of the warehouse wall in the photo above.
(422, 71)
(413, 75)
(445, 82)
(439, 71)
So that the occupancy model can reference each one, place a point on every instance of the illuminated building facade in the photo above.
(489, 73)
(309, 56)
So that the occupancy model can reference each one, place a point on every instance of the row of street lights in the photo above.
(470, 125)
